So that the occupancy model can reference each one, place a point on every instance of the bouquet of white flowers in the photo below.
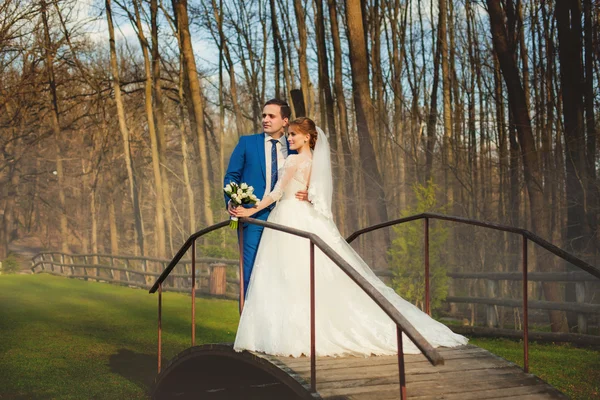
(239, 194)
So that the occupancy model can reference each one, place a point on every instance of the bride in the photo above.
(276, 315)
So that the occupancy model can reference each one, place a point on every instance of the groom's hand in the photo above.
(231, 209)
(302, 195)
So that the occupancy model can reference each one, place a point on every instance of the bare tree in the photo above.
(196, 108)
(133, 187)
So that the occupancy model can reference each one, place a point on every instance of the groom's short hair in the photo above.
(286, 111)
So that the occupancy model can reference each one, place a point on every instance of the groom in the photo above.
(255, 161)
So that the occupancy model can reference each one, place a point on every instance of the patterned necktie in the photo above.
(273, 163)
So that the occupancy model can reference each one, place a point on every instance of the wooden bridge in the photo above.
(218, 372)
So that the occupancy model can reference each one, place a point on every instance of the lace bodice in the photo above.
(293, 176)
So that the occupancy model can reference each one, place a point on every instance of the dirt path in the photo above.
(24, 249)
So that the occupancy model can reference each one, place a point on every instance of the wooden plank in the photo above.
(374, 372)
(433, 388)
(469, 373)
(343, 362)
(444, 351)
(537, 392)
(450, 377)
(540, 391)
(381, 362)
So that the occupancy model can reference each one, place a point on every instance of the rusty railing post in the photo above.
(525, 310)
(427, 294)
(194, 293)
(159, 325)
(313, 360)
(241, 243)
(401, 373)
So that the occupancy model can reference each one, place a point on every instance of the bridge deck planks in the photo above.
(469, 373)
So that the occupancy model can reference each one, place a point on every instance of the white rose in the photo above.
(228, 188)
(239, 192)
(244, 186)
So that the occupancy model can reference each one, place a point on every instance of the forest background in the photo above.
(117, 119)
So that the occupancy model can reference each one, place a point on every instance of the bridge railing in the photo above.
(524, 275)
(402, 324)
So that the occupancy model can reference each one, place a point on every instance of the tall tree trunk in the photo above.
(590, 121)
(112, 223)
(398, 33)
(8, 220)
(446, 88)
(568, 18)
(432, 117)
(302, 60)
(529, 153)
(327, 108)
(56, 130)
(375, 205)
(237, 111)
(116, 82)
(197, 103)
(345, 156)
(276, 36)
(159, 118)
(379, 123)
(185, 153)
(154, 141)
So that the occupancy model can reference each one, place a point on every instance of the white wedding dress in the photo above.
(276, 315)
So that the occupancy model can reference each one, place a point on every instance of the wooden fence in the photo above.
(584, 283)
(214, 276)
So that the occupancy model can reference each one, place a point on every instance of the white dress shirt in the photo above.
(282, 152)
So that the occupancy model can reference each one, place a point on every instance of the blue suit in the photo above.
(248, 165)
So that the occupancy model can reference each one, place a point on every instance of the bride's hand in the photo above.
(242, 212)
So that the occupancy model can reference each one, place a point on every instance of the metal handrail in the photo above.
(527, 235)
(402, 324)
(186, 246)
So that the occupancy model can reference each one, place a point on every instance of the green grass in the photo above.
(574, 371)
(69, 339)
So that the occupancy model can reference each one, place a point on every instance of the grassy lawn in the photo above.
(574, 371)
(69, 339)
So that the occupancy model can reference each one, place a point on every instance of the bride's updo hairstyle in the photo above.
(306, 126)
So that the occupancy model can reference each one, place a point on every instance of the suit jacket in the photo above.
(248, 164)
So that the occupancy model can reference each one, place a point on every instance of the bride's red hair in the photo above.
(307, 126)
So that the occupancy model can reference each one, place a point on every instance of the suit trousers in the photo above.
(252, 235)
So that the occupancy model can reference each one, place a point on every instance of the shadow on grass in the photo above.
(138, 368)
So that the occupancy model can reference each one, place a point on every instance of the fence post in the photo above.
(492, 292)
(85, 273)
(580, 297)
(127, 266)
(218, 279)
